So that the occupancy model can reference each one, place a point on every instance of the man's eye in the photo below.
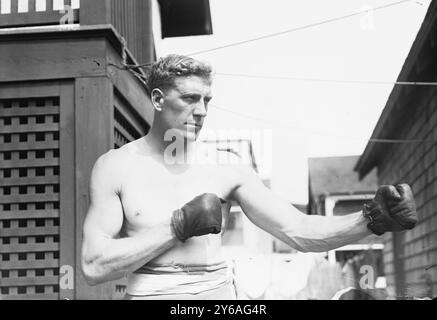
(191, 98)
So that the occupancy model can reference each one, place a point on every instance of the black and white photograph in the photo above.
(232, 150)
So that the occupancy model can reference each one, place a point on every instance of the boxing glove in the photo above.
(200, 216)
(392, 209)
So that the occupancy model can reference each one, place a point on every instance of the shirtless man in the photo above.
(157, 216)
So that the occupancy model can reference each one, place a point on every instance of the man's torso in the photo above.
(150, 191)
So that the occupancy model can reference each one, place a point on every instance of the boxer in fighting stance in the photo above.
(158, 219)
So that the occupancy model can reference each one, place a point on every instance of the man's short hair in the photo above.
(163, 72)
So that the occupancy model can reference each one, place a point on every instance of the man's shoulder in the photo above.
(229, 162)
(221, 155)
(112, 160)
(110, 157)
(121, 154)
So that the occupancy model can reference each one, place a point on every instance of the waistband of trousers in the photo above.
(178, 268)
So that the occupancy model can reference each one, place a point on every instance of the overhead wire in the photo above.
(143, 78)
(325, 134)
(307, 26)
(341, 81)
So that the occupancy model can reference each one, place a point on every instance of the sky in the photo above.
(291, 119)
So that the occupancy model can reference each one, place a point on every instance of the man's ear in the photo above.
(157, 97)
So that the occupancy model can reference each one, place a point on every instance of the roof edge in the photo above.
(368, 159)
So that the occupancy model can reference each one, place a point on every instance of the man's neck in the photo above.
(157, 144)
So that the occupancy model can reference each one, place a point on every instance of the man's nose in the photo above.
(200, 109)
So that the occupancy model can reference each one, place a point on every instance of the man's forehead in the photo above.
(193, 84)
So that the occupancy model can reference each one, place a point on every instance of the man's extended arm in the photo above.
(303, 232)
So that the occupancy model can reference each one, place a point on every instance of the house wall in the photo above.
(410, 115)
(407, 254)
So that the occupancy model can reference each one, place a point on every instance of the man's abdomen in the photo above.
(203, 250)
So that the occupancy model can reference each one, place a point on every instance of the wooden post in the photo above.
(94, 136)
(398, 262)
(147, 42)
(67, 190)
(329, 212)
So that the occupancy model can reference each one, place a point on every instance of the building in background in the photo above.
(410, 258)
(65, 100)
(334, 190)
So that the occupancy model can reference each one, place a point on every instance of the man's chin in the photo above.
(189, 135)
(192, 134)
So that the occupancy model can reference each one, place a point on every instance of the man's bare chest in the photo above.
(150, 191)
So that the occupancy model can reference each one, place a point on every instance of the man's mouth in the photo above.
(193, 124)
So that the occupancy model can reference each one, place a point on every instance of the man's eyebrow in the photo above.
(190, 93)
(184, 93)
(196, 94)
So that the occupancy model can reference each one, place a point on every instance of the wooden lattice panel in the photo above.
(127, 125)
(121, 136)
(29, 198)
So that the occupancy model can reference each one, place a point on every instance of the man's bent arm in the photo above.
(106, 257)
(306, 233)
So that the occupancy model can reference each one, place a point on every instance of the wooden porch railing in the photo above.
(22, 13)
(131, 18)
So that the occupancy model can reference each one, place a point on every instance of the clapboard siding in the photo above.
(416, 164)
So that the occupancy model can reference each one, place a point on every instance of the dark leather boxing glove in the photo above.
(200, 216)
(392, 209)
(404, 211)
